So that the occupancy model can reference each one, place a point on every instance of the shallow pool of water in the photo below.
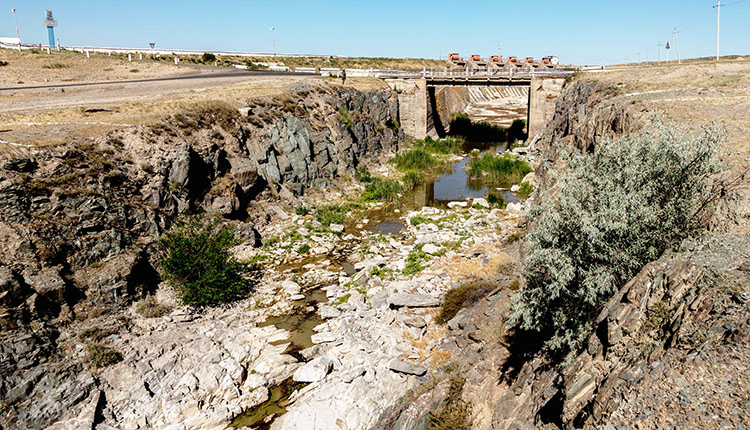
(275, 405)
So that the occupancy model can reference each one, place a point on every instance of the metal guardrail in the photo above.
(472, 73)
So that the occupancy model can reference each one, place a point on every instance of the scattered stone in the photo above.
(400, 366)
(315, 370)
(514, 207)
(515, 188)
(297, 297)
(415, 322)
(337, 228)
(412, 301)
(453, 205)
(430, 249)
(480, 201)
(328, 312)
(323, 337)
(290, 287)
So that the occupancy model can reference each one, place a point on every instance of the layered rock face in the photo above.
(79, 223)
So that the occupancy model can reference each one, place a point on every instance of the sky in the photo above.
(577, 31)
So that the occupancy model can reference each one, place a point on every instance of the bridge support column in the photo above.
(542, 98)
(413, 105)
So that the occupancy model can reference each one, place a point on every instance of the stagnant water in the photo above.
(451, 185)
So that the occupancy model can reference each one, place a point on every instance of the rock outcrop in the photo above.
(79, 223)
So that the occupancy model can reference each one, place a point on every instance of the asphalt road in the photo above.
(213, 74)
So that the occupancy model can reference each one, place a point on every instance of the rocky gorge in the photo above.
(345, 328)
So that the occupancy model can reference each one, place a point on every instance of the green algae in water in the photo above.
(275, 405)
(299, 325)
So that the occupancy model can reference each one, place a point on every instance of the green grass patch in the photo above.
(343, 299)
(415, 159)
(414, 261)
(362, 174)
(461, 297)
(496, 200)
(303, 249)
(411, 180)
(379, 189)
(503, 170)
(416, 220)
(451, 145)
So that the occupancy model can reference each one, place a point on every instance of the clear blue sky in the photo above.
(578, 31)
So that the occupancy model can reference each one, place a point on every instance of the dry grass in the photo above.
(71, 67)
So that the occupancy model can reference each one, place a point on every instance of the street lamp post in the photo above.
(18, 35)
(273, 39)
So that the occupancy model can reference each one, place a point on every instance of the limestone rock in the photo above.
(315, 370)
(412, 300)
(401, 366)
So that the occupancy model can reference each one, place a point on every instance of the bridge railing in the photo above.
(519, 73)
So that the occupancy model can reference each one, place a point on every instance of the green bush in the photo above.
(414, 159)
(381, 189)
(503, 170)
(525, 190)
(199, 264)
(496, 200)
(208, 58)
(610, 214)
(301, 210)
(55, 66)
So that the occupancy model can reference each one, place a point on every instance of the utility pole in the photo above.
(18, 35)
(677, 45)
(658, 52)
(718, 25)
(273, 39)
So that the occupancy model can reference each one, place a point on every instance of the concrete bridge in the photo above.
(429, 99)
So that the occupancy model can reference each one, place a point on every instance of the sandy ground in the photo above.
(693, 95)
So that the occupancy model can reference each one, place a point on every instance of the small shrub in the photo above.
(496, 200)
(346, 117)
(525, 190)
(379, 189)
(107, 69)
(55, 66)
(150, 308)
(456, 412)
(303, 249)
(208, 58)
(96, 333)
(3, 63)
(503, 170)
(134, 70)
(462, 297)
(301, 210)
(99, 355)
(362, 174)
(414, 159)
(512, 238)
(199, 264)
